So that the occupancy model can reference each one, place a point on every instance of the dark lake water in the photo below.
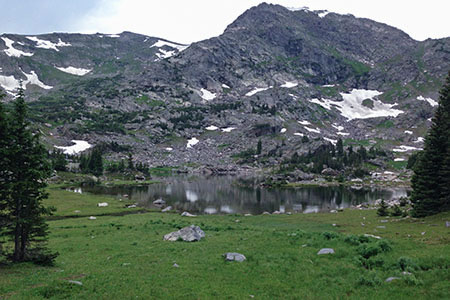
(221, 195)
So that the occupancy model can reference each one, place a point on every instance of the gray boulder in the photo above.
(325, 251)
(233, 256)
(186, 214)
(159, 202)
(447, 224)
(391, 279)
(168, 208)
(188, 234)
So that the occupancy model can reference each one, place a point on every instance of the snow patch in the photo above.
(334, 142)
(169, 149)
(352, 108)
(207, 95)
(338, 127)
(212, 128)
(225, 86)
(113, 35)
(47, 44)
(289, 84)
(79, 146)
(399, 159)
(74, 71)
(165, 54)
(304, 122)
(343, 133)
(192, 142)
(10, 83)
(161, 43)
(33, 79)
(283, 130)
(299, 134)
(317, 130)
(328, 85)
(429, 100)
(257, 90)
(408, 132)
(11, 51)
(322, 14)
(403, 148)
(419, 140)
(228, 129)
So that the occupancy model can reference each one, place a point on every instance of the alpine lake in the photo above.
(228, 195)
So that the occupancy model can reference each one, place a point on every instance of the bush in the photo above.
(370, 279)
(397, 212)
(368, 251)
(330, 235)
(382, 211)
(384, 246)
(406, 264)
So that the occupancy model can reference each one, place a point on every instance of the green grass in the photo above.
(126, 258)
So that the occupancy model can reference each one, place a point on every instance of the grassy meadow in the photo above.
(125, 257)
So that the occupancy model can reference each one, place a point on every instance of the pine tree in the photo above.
(130, 162)
(4, 170)
(27, 170)
(259, 147)
(340, 148)
(95, 164)
(431, 179)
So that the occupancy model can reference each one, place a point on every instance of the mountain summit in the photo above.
(274, 75)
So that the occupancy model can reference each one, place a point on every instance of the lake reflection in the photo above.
(220, 195)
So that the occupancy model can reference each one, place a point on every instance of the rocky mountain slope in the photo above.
(274, 75)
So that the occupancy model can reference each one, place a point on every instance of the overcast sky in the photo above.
(187, 21)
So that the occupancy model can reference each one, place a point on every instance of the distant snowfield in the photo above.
(166, 54)
(419, 140)
(304, 122)
(338, 127)
(323, 14)
(399, 159)
(334, 142)
(113, 35)
(74, 71)
(342, 133)
(257, 90)
(161, 43)
(192, 142)
(13, 52)
(212, 128)
(403, 148)
(228, 129)
(317, 130)
(10, 83)
(289, 84)
(299, 134)
(225, 86)
(352, 106)
(408, 132)
(283, 130)
(79, 146)
(207, 95)
(429, 100)
(48, 44)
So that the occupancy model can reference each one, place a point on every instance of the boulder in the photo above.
(233, 256)
(188, 234)
(168, 208)
(186, 214)
(102, 204)
(329, 172)
(159, 202)
(391, 279)
(447, 224)
(325, 251)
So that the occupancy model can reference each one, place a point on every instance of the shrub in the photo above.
(396, 211)
(383, 209)
(406, 264)
(371, 279)
(384, 246)
(368, 251)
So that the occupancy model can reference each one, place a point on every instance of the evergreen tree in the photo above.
(27, 169)
(340, 148)
(4, 170)
(431, 179)
(95, 164)
(259, 147)
(130, 161)
(382, 211)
